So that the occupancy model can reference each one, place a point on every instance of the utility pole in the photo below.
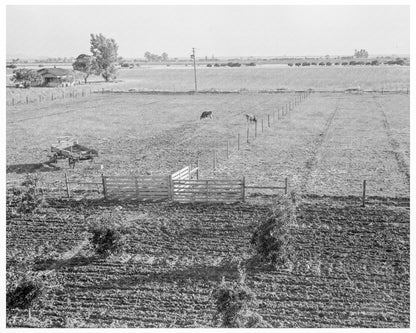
(193, 57)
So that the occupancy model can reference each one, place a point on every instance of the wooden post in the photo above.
(197, 170)
(136, 183)
(286, 185)
(248, 134)
(104, 186)
(244, 189)
(52, 96)
(364, 186)
(170, 180)
(238, 141)
(228, 149)
(268, 120)
(215, 160)
(262, 126)
(13, 101)
(67, 186)
(206, 190)
(27, 99)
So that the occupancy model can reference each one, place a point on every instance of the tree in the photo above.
(86, 64)
(104, 50)
(165, 56)
(360, 53)
(27, 77)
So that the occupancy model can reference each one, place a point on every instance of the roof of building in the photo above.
(55, 72)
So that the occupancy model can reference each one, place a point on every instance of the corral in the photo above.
(352, 262)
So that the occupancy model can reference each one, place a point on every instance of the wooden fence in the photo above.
(139, 188)
(211, 190)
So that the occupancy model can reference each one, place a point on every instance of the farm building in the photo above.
(56, 77)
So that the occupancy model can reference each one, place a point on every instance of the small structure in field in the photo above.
(57, 77)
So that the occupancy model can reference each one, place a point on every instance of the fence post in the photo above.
(364, 186)
(136, 183)
(244, 188)
(27, 99)
(248, 134)
(286, 185)
(13, 101)
(67, 186)
(104, 186)
(52, 96)
(228, 149)
(170, 180)
(238, 141)
(215, 160)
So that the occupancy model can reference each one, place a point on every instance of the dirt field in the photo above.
(351, 266)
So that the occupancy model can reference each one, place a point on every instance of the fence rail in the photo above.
(210, 190)
(140, 188)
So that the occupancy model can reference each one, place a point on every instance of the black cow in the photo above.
(206, 114)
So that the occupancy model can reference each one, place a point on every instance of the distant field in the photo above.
(265, 77)
(268, 78)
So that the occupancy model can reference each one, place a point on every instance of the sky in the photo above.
(64, 31)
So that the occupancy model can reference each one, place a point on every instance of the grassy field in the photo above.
(328, 145)
(269, 78)
(245, 78)
(351, 263)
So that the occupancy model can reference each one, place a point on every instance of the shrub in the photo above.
(106, 240)
(25, 199)
(271, 239)
(25, 294)
(27, 77)
(107, 235)
(232, 301)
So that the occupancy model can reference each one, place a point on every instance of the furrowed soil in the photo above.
(351, 266)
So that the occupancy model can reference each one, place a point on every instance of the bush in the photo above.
(106, 240)
(271, 240)
(107, 235)
(27, 77)
(232, 301)
(25, 199)
(25, 294)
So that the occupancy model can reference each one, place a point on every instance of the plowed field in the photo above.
(351, 267)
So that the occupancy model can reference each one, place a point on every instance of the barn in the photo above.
(57, 77)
